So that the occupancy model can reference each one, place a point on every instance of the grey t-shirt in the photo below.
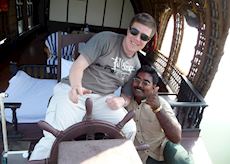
(109, 67)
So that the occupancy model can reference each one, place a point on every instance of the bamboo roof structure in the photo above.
(210, 17)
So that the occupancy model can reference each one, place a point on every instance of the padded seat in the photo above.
(51, 43)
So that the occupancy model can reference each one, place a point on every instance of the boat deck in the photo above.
(32, 53)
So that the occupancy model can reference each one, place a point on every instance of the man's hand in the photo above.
(153, 99)
(115, 102)
(75, 92)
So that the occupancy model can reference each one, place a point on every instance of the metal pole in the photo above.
(4, 131)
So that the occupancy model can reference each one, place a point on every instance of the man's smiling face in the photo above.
(133, 42)
(142, 85)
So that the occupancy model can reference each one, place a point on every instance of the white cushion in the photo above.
(34, 95)
(65, 67)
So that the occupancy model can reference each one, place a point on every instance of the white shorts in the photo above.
(62, 113)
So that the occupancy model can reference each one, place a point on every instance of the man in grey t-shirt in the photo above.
(107, 61)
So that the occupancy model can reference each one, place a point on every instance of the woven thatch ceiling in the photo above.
(210, 17)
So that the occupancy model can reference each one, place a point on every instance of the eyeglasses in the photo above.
(138, 81)
(135, 32)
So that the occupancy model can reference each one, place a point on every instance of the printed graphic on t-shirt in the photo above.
(121, 67)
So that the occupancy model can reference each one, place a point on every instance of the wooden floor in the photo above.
(31, 52)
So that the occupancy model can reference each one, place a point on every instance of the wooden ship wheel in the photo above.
(209, 17)
(88, 129)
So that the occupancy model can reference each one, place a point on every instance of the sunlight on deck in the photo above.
(200, 155)
(215, 126)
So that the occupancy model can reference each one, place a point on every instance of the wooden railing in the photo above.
(40, 71)
(189, 105)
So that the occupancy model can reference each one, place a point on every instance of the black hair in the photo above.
(151, 71)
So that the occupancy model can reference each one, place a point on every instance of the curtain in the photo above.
(3, 5)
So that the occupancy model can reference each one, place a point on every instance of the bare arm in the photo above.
(75, 77)
(171, 127)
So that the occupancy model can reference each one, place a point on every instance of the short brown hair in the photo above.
(145, 19)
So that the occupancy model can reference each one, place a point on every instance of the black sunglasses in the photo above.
(135, 32)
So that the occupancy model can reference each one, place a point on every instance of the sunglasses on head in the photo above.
(135, 32)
